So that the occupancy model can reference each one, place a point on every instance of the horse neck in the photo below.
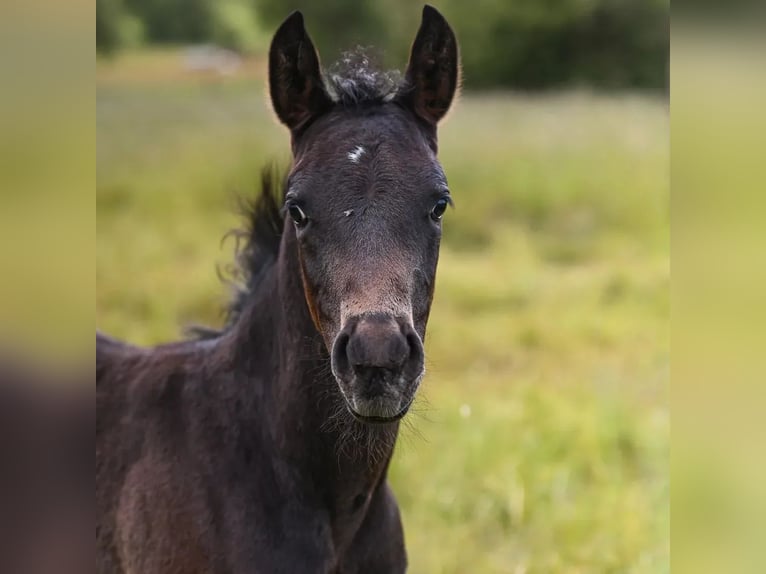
(311, 423)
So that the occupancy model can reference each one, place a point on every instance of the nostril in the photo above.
(416, 356)
(340, 353)
(415, 346)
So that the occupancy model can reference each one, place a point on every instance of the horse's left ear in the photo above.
(295, 78)
(432, 73)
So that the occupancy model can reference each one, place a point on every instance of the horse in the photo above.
(264, 446)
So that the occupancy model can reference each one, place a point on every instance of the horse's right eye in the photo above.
(297, 215)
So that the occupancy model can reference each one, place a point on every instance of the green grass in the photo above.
(540, 444)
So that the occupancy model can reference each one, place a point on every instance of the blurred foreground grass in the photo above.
(541, 441)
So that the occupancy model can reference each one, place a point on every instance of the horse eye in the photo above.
(438, 210)
(298, 216)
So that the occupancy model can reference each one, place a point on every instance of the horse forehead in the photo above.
(367, 146)
(358, 164)
(382, 153)
(380, 150)
(386, 169)
(372, 130)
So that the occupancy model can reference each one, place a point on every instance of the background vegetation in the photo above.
(540, 442)
(520, 43)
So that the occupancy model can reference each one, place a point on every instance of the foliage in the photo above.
(519, 43)
(336, 25)
(236, 27)
(534, 44)
(175, 20)
(229, 23)
(109, 14)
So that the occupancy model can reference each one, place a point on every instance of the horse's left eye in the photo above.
(439, 208)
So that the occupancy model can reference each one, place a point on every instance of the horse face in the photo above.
(366, 197)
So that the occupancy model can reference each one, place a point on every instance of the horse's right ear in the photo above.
(295, 79)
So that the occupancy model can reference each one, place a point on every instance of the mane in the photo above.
(256, 247)
(354, 80)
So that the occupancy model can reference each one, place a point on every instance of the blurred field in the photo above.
(541, 442)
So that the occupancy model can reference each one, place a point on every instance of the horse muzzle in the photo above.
(378, 360)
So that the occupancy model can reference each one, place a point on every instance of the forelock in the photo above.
(356, 80)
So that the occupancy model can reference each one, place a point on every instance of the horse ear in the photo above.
(432, 73)
(295, 79)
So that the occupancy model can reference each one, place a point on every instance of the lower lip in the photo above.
(380, 420)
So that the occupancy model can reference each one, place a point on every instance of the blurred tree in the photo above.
(108, 15)
(116, 28)
(546, 43)
(175, 20)
(334, 25)
(237, 27)
(504, 43)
